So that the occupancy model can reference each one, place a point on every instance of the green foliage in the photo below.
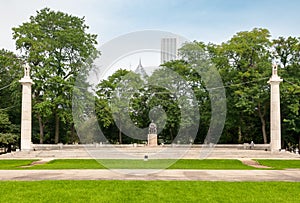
(58, 49)
(8, 132)
(287, 51)
(245, 65)
(10, 94)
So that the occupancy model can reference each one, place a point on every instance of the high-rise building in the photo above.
(169, 47)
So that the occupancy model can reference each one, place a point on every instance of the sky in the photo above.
(204, 20)
(213, 21)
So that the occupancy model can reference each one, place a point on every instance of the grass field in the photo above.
(148, 191)
(150, 164)
(14, 164)
(134, 164)
(280, 164)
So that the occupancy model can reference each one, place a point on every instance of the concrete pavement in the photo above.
(115, 152)
(245, 156)
(146, 174)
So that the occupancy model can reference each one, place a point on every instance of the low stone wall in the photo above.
(39, 147)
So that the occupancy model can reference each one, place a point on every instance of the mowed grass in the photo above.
(148, 191)
(14, 164)
(280, 164)
(141, 164)
(150, 164)
(70, 164)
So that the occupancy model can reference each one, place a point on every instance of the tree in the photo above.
(105, 93)
(8, 132)
(186, 100)
(58, 49)
(287, 51)
(245, 65)
(207, 83)
(10, 96)
(10, 89)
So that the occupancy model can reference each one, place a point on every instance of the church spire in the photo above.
(140, 70)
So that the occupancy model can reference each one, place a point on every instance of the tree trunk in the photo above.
(73, 139)
(263, 127)
(56, 138)
(171, 135)
(41, 129)
(263, 122)
(240, 134)
(120, 130)
(120, 136)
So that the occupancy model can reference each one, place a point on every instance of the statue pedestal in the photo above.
(152, 140)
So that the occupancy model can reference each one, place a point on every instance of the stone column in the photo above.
(275, 119)
(26, 110)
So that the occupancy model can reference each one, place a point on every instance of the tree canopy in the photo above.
(58, 48)
(244, 63)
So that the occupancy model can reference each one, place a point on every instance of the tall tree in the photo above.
(10, 96)
(245, 65)
(106, 91)
(287, 51)
(10, 73)
(58, 49)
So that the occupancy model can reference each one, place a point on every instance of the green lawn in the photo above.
(141, 164)
(148, 191)
(280, 164)
(70, 164)
(150, 164)
(14, 164)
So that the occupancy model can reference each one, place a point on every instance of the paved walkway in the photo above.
(246, 156)
(145, 174)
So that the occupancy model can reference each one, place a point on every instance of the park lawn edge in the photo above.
(148, 191)
(186, 164)
(280, 164)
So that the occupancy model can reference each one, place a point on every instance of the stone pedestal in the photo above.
(275, 121)
(26, 111)
(152, 140)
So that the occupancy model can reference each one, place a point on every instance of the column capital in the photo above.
(24, 81)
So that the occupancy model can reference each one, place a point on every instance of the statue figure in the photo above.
(26, 71)
(274, 70)
(152, 128)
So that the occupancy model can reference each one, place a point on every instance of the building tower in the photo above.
(275, 135)
(140, 70)
(26, 110)
(169, 47)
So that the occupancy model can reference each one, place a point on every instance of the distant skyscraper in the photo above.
(169, 47)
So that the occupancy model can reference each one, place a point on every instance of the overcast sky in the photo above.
(204, 20)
